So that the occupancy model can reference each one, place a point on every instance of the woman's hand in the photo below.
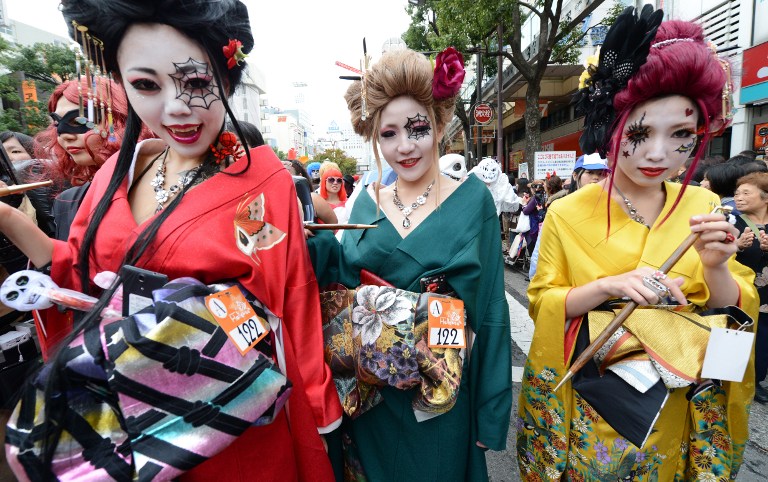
(716, 241)
(635, 286)
(763, 241)
(746, 239)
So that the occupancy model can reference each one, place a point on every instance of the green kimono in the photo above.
(460, 240)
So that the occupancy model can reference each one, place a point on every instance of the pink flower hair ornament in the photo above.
(449, 74)
(233, 51)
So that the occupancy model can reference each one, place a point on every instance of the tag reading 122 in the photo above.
(237, 318)
(446, 323)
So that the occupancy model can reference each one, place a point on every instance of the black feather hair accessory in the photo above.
(624, 51)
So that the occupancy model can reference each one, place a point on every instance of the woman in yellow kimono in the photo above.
(647, 416)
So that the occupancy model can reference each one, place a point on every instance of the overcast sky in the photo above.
(296, 41)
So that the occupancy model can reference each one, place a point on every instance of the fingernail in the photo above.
(697, 218)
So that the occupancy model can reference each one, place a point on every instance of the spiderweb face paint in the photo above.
(637, 133)
(418, 127)
(195, 84)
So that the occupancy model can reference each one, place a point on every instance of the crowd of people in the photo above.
(250, 318)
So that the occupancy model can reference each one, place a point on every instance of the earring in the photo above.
(228, 146)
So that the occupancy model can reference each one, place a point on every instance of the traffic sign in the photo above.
(483, 113)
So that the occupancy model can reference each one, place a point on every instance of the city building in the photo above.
(247, 100)
(732, 26)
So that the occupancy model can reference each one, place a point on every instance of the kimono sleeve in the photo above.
(493, 394)
(302, 317)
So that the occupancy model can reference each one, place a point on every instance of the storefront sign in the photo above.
(761, 138)
(754, 80)
(559, 162)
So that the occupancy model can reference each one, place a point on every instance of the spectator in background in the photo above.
(751, 199)
(722, 181)
(588, 169)
(349, 185)
(554, 188)
(323, 210)
(332, 190)
(18, 146)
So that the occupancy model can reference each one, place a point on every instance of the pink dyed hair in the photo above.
(63, 168)
(682, 67)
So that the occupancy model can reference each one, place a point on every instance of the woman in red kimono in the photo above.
(190, 204)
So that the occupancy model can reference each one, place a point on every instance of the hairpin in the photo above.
(95, 104)
(364, 64)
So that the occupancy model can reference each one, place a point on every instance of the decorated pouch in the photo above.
(153, 395)
(628, 380)
(377, 336)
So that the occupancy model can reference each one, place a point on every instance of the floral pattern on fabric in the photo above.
(377, 336)
(710, 453)
(547, 451)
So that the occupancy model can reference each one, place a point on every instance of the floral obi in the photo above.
(150, 396)
(377, 336)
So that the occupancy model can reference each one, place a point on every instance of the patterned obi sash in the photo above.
(150, 396)
(375, 337)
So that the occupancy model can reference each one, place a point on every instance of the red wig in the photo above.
(63, 168)
(679, 63)
(332, 172)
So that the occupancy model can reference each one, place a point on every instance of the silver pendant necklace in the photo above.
(408, 210)
(633, 214)
(162, 195)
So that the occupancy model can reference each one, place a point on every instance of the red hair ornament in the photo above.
(233, 51)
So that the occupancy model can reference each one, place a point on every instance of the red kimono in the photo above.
(245, 227)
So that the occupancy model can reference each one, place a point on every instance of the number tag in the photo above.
(236, 317)
(446, 323)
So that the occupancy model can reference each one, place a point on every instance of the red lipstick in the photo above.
(409, 163)
(653, 171)
(186, 133)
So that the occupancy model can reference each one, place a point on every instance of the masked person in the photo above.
(643, 409)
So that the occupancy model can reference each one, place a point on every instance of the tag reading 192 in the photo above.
(237, 318)
(446, 323)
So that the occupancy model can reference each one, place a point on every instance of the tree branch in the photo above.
(579, 19)
(532, 9)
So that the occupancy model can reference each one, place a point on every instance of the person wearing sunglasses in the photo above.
(332, 190)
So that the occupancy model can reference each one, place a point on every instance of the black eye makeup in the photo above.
(194, 84)
(637, 133)
(418, 127)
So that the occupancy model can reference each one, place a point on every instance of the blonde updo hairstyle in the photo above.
(397, 73)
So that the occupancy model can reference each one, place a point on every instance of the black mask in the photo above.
(70, 123)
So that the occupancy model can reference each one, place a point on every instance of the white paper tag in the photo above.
(727, 354)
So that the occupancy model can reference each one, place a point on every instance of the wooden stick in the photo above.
(6, 191)
(614, 325)
(319, 227)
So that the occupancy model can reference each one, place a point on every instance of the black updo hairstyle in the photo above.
(211, 24)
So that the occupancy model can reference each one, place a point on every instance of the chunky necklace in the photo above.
(408, 210)
(162, 195)
(632, 211)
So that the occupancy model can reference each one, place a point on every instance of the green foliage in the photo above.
(46, 65)
(280, 154)
(348, 165)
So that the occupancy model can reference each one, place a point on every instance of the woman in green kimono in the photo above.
(435, 231)
(643, 411)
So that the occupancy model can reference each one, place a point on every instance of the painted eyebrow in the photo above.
(144, 70)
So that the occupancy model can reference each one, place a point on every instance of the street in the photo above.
(502, 466)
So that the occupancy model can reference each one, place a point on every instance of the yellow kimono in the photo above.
(562, 436)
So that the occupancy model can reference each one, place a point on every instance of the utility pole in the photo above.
(479, 135)
(500, 157)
